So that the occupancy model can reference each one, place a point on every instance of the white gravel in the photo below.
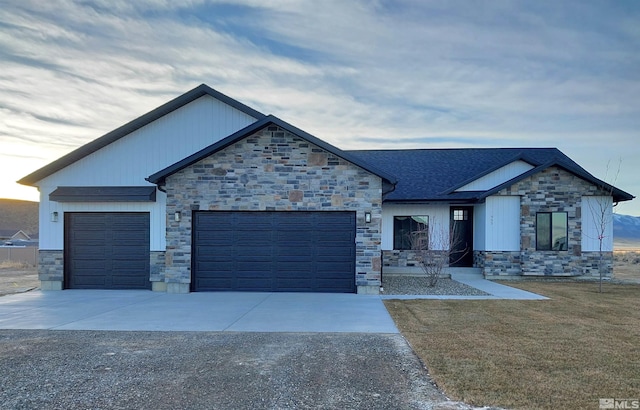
(417, 285)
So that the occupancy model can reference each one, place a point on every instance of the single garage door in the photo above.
(274, 251)
(107, 251)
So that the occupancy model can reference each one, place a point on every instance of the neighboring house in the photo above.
(206, 194)
(10, 236)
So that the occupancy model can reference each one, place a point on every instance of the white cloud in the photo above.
(500, 73)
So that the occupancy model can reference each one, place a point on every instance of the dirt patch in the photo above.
(17, 278)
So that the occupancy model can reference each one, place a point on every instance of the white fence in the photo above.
(28, 255)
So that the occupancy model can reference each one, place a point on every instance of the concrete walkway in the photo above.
(216, 311)
(476, 280)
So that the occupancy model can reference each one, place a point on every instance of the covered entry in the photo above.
(273, 251)
(106, 250)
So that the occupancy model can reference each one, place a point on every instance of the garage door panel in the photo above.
(88, 280)
(122, 251)
(215, 266)
(107, 250)
(252, 283)
(127, 280)
(295, 285)
(221, 283)
(215, 251)
(211, 234)
(334, 252)
(300, 250)
(275, 251)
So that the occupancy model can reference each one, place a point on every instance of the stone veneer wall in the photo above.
(51, 269)
(397, 258)
(156, 270)
(273, 170)
(501, 263)
(551, 190)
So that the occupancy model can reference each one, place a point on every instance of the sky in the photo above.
(357, 74)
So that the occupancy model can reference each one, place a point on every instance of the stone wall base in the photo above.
(503, 264)
(159, 286)
(368, 290)
(51, 265)
(50, 285)
(177, 287)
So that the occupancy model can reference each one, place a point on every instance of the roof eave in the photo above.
(618, 194)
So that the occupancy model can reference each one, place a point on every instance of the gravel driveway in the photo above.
(211, 370)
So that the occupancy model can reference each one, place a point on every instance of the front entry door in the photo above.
(462, 236)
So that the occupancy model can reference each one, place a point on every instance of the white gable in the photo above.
(497, 177)
(132, 158)
(165, 141)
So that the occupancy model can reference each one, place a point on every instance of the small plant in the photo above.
(433, 246)
(602, 214)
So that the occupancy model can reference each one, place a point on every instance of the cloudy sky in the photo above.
(358, 74)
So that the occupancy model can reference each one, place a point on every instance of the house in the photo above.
(17, 237)
(207, 194)
(13, 235)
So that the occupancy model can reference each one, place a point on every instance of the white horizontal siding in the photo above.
(131, 159)
(438, 220)
(597, 220)
(497, 177)
(502, 223)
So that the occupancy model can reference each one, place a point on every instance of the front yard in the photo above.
(566, 352)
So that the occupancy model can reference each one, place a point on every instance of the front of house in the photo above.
(207, 194)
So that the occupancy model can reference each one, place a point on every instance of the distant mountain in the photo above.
(19, 215)
(626, 231)
(625, 226)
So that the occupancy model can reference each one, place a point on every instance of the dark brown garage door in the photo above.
(274, 251)
(106, 251)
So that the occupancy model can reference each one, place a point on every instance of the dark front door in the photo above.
(462, 236)
(274, 251)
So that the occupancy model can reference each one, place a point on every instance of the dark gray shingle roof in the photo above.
(434, 174)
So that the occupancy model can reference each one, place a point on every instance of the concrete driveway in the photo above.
(145, 350)
(219, 311)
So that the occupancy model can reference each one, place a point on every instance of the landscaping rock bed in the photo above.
(418, 285)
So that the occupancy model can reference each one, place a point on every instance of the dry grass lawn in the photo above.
(566, 352)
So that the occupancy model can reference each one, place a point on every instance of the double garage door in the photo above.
(232, 251)
(274, 251)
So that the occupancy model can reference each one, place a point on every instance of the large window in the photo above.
(406, 228)
(551, 231)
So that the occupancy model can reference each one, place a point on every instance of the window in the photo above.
(551, 231)
(406, 226)
(460, 215)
